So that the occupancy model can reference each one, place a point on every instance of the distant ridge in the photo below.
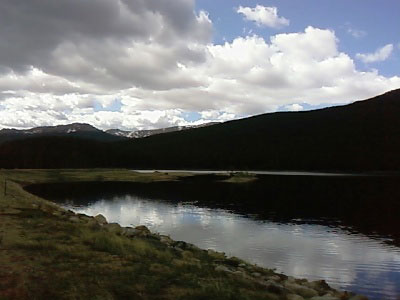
(88, 131)
(362, 136)
(81, 130)
(145, 133)
(74, 127)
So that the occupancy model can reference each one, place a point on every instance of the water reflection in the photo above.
(353, 262)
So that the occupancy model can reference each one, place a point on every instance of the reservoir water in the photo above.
(314, 228)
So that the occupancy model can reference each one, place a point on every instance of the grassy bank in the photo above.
(49, 253)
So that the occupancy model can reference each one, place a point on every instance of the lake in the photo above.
(344, 229)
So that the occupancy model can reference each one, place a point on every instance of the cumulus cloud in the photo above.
(380, 54)
(67, 39)
(263, 16)
(148, 63)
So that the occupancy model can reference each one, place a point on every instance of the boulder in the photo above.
(274, 278)
(319, 285)
(113, 227)
(180, 244)
(325, 297)
(100, 219)
(85, 218)
(166, 240)
(275, 288)
(143, 230)
(130, 232)
(220, 268)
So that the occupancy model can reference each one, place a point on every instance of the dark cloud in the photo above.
(32, 31)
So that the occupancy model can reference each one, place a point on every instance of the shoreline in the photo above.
(45, 237)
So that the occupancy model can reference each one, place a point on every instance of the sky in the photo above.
(144, 64)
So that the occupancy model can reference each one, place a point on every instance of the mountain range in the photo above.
(362, 136)
(87, 131)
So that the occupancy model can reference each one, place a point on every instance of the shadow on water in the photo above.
(370, 205)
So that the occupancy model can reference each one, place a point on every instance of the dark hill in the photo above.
(362, 136)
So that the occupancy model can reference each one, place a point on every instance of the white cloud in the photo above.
(357, 33)
(156, 63)
(380, 54)
(294, 107)
(263, 16)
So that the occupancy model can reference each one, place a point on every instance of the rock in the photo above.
(166, 240)
(85, 218)
(319, 285)
(100, 219)
(325, 297)
(294, 297)
(301, 290)
(113, 227)
(256, 274)
(178, 249)
(180, 244)
(220, 268)
(275, 288)
(274, 278)
(239, 273)
(215, 254)
(249, 267)
(143, 229)
(242, 265)
(192, 247)
(130, 232)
